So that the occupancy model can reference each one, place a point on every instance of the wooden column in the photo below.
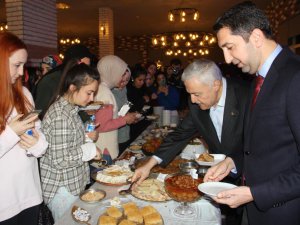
(106, 32)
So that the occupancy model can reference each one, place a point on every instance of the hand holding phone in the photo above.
(30, 114)
(19, 125)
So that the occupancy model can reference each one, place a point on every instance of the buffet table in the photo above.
(207, 212)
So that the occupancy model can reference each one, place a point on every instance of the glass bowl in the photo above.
(182, 187)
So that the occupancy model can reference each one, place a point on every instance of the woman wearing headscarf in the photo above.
(120, 94)
(112, 70)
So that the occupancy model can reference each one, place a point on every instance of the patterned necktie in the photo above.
(259, 80)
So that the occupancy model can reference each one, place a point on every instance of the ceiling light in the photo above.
(62, 5)
(183, 14)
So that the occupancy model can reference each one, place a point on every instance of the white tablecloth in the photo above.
(206, 212)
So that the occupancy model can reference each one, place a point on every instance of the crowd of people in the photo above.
(255, 125)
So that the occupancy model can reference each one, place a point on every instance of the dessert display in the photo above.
(151, 190)
(182, 187)
(92, 195)
(130, 214)
(114, 175)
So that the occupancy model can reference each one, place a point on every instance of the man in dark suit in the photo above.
(270, 160)
(216, 113)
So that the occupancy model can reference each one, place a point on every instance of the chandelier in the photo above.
(182, 14)
(69, 41)
(184, 43)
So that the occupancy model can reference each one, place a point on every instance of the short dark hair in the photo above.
(242, 19)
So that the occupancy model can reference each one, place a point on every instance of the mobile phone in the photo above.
(31, 113)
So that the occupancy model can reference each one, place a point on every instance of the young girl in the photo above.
(20, 189)
(64, 168)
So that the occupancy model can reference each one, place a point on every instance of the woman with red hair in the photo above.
(20, 192)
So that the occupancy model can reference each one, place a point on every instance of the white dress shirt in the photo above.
(216, 112)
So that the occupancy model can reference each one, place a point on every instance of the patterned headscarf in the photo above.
(52, 60)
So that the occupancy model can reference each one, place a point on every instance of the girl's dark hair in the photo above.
(77, 74)
(137, 71)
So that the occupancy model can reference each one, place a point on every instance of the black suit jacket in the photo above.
(198, 121)
(271, 152)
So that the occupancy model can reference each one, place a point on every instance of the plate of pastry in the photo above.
(206, 159)
(114, 175)
(151, 190)
(130, 214)
(93, 106)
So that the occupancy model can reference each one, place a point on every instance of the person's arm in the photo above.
(104, 117)
(143, 172)
(177, 140)
(40, 147)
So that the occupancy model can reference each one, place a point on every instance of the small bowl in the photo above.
(188, 166)
(92, 195)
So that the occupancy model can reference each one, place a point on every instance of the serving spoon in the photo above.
(76, 219)
(128, 190)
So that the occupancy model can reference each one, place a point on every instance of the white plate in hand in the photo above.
(91, 107)
(213, 188)
(217, 158)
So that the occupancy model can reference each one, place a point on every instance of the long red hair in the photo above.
(12, 95)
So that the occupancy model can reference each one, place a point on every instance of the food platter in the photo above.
(94, 177)
(217, 158)
(80, 215)
(131, 213)
(182, 187)
(114, 175)
(151, 190)
(92, 195)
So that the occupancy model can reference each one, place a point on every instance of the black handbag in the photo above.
(45, 215)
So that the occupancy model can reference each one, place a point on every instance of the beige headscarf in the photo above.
(111, 69)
